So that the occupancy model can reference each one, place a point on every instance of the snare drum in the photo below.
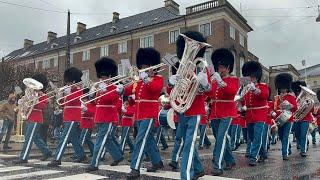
(283, 118)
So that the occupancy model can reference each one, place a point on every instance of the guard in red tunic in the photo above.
(223, 108)
(127, 110)
(106, 113)
(71, 118)
(204, 140)
(302, 126)
(256, 102)
(35, 119)
(147, 91)
(317, 111)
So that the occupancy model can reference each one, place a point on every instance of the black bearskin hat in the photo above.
(252, 68)
(195, 35)
(283, 81)
(72, 75)
(223, 57)
(106, 67)
(41, 78)
(147, 56)
(295, 86)
(318, 95)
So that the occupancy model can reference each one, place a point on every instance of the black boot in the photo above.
(20, 161)
(90, 169)
(198, 175)
(54, 163)
(45, 157)
(134, 174)
(217, 172)
(79, 160)
(115, 163)
(174, 165)
(155, 167)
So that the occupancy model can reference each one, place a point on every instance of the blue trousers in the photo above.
(284, 132)
(70, 133)
(125, 138)
(302, 135)
(32, 135)
(204, 140)
(255, 132)
(104, 139)
(234, 131)
(313, 135)
(178, 144)
(222, 150)
(160, 137)
(264, 148)
(85, 137)
(145, 142)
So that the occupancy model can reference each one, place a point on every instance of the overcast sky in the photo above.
(280, 35)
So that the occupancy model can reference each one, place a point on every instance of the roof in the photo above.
(311, 71)
(145, 19)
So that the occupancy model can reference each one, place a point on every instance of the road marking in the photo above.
(85, 176)
(7, 155)
(13, 168)
(63, 164)
(30, 174)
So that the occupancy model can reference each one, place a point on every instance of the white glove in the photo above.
(173, 79)
(251, 86)
(145, 77)
(216, 76)
(244, 108)
(123, 109)
(67, 90)
(83, 108)
(133, 96)
(103, 87)
(120, 88)
(273, 114)
(203, 79)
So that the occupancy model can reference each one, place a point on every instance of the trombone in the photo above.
(130, 78)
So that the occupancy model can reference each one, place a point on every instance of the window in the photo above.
(46, 64)
(235, 64)
(232, 32)
(122, 47)
(241, 39)
(241, 64)
(104, 51)
(173, 36)
(71, 58)
(205, 29)
(85, 55)
(37, 64)
(55, 62)
(146, 41)
(85, 76)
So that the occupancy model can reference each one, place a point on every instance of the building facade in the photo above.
(119, 39)
(312, 76)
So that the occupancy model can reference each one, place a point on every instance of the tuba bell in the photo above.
(305, 103)
(185, 89)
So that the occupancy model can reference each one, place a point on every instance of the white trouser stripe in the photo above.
(142, 145)
(103, 144)
(29, 141)
(267, 139)
(235, 136)
(64, 141)
(125, 138)
(306, 140)
(203, 136)
(260, 143)
(288, 140)
(179, 150)
(159, 136)
(84, 137)
(190, 158)
(223, 146)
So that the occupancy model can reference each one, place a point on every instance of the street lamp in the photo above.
(318, 18)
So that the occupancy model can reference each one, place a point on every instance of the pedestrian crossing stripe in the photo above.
(85, 176)
(13, 168)
(30, 174)
(63, 164)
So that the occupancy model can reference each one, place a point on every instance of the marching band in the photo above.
(198, 98)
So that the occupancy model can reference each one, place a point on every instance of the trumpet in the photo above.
(243, 90)
(130, 78)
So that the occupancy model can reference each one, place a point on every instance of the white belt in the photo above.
(221, 100)
(72, 107)
(87, 118)
(106, 106)
(37, 109)
(146, 100)
(261, 107)
(127, 117)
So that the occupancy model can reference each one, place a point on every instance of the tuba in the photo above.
(186, 87)
(305, 103)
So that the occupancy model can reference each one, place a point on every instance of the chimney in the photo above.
(115, 17)
(27, 43)
(51, 36)
(172, 6)
(80, 27)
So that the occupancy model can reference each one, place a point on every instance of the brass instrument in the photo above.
(186, 87)
(305, 103)
(243, 89)
(130, 78)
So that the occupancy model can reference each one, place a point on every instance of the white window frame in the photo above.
(210, 29)
(171, 41)
(234, 71)
(122, 47)
(104, 50)
(232, 32)
(241, 63)
(85, 75)
(143, 43)
(46, 64)
(71, 58)
(86, 55)
(241, 39)
(55, 62)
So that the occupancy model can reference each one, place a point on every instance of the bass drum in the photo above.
(166, 118)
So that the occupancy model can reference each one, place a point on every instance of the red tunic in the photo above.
(87, 118)
(223, 104)
(290, 98)
(36, 114)
(316, 114)
(269, 118)
(203, 120)
(146, 98)
(106, 106)
(127, 117)
(257, 104)
(72, 109)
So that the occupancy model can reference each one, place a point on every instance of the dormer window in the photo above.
(155, 19)
(126, 27)
(140, 23)
(77, 38)
(113, 29)
(53, 45)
